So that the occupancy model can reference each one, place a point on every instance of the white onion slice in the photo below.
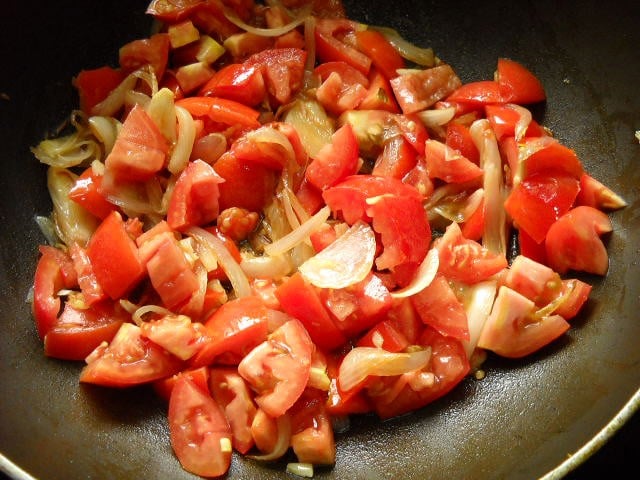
(106, 130)
(480, 297)
(282, 444)
(236, 276)
(413, 53)
(361, 362)
(523, 121)
(268, 32)
(424, 276)
(298, 235)
(345, 262)
(267, 266)
(437, 117)
(161, 109)
(186, 136)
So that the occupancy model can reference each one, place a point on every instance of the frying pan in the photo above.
(522, 421)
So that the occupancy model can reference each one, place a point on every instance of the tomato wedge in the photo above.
(518, 84)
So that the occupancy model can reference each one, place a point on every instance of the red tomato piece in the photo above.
(530, 248)
(473, 226)
(234, 330)
(349, 74)
(536, 281)
(477, 94)
(153, 51)
(278, 369)
(550, 155)
(329, 47)
(465, 260)
(78, 332)
(397, 159)
(338, 96)
(438, 307)
(282, 69)
(459, 138)
(173, 10)
(413, 130)
(232, 393)
(194, 200)
(311, 431)
(539, 200)
(200, 433)
(447, 164)
(177, 334)
(392, 396)
(512, 330)
(54, 272)
(382, 54)
(95, 85)
(140, 149)
(384, 335)
(114, 257)
(334, 161)
(91, 289)
(199, 376)
(248, 185)
(420, 89)
(576, 294)
(238, 82)
(300, 300)
(518, 84)
(505, 119)
(221, 110)
(379, 94)
(573, 241)
(404, 318)
(86, 192)
(595, 194)
(129, 359)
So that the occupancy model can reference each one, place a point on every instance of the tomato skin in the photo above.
(380, 51)
(282, 69)
(421, 89)
(140, 149)
(393, 396)
(553, 156)
(86, 192)
(477, 94)
(129, 359)
(311, 431)
(518, 84)
(438, 307)
(238, 82)
(78, 332)
(335, 161)
(221, 110)
(379, 94)
(539, 200)
(172, 11)
(153, 51)
(595, 194)
(384, 335)
(91, 289)
(232, 393)
(329, 48)
(300, 300)
(95, 85)
(573, 241)
(199, 377)
(194, 200)
(200, 433)
(446, 164)
(54, 272)
(278, 369)
(459, 138)
(578, 294)
(397, 159)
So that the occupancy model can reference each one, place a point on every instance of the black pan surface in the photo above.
(522, 421)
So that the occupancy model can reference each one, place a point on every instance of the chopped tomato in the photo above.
(547, 154)
(129, 359)
(338, 96)
(140, 149)
(419, 89)
(199, 376)
(153, 51)
(459, 138)
(95, 85)
(200, 433)
(282, 69)
(232, 393)
(194, 200)
(413, 130)
(518, 84)
(382, 54)
(397, 159)
(438, 307)
(339, 402)
(177, 334)
(530, 248)
(379, 94)
(238, 82)
(465, 260)
(335, 161)
(329, 46)
(447, 164)
(539, 200)
(573, 241)
(473, 226)
(278, 368)
(595, 194)
(301, 300)
(534, 280)
(477, 94)
(86, 192)
(506, 120)
(172, 11)
(514, 330)
(221, 110)
(114, 257)
(91, 289)
(384, 335)
(575, 293)
(78, 332)
(311, 431)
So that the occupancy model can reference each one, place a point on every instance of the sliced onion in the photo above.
(268, 32)
(437, 117)
(48, 228)
(267, 266)
(312, 123)
(138, 315)
(78, 148)
(236, 276)
(282, 443)
(106, 130)
(344, 262)
(494, 235)
(310, 45)
(526, 150)
(413, 53)
(424, 276)
(162, 111)
(301, 469)
(117, 98)
(524, 119)
(186, 136)
(298, 235)
(361, 362)
(479, 301)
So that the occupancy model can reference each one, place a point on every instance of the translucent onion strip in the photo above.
(298, 235)
(361, 362)
(413, 53)
(494, 236)
(116, 99)
(282, 443)
(236, 276)
(105, 129)
(424, 276)
(268, 32)
(437, 117)
(478, 307)
(138, 315)
(344, 262)
(186, 136)
(301, 469)
(268, 266)
(161, 109)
